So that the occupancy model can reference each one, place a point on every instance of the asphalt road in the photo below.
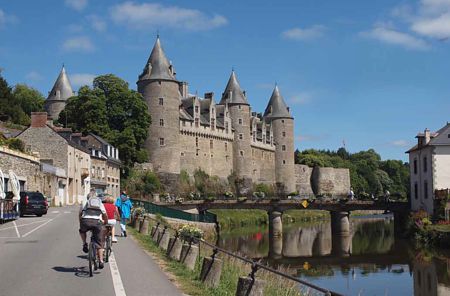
(43, 256)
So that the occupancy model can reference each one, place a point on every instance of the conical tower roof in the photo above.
(158, 66)
(62, 90)
(233, 93)
(277, 108)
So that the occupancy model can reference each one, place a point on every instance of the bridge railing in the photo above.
(255, 265)
(152, 208)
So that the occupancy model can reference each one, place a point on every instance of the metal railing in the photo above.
(152, 208)
(255, 266)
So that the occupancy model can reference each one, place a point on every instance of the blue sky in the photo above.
(370, 73)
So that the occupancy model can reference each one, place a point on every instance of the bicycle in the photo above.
(108, 242)
(92, 256)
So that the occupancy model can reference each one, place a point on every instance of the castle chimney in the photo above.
(209, 95)
(427, 136)
(38, 119)
(184, 89)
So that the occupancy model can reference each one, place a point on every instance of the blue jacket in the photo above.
(124, 205)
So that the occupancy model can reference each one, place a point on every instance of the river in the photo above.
(370, 261)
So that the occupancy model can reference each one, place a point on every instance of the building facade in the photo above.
(429, 164)
(189, 132)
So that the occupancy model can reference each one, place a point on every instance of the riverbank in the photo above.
(189, 281)
(231, 219)
(434, 236)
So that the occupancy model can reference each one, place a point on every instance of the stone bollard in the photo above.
(174, 250)
(189, 254)
(136, 222)
(155, 236)
(211, 271)
(246, 287)
(164, 240)
(152, 232)
(143, 228)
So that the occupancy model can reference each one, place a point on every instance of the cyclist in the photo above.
(92, 216)
(112, 213)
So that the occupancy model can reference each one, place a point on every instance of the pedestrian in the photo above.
(124, 205)
(351, 194)
(113, 215)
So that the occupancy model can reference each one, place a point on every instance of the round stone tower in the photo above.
(57, 97)
(240, 120)
(277, 113)
(160, 89)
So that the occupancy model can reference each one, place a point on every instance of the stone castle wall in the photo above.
(263, 165)
(303, 179)
(330, 181)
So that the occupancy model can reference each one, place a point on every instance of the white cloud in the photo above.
(97, 23)
(157, 15)
(300, 98)
(77, 4)
(6, 18)
(80, 79)
(392, 36)
(311, 138)
(400, 143)
(313, 32)
(34, 76)
(80, 44)
(436, 27)
(75, 28)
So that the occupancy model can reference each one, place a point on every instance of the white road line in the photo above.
(17, 230)
(55, 212)
(31, 231)
(22, 225)
(117, 280)
(67, 212)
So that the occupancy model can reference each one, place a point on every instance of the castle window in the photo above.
(254, 137)
(284, 161)
(239, 107)
(226, 146)
(282, 121)
(161, 122)
(197, 122)
(196, 141)
(425, 163)
(416, 191)
(213, 123)
(240, 120)
(415, 166)
(241, 136)
(283, 148)
(196, 152)
(196, 109)
(161, 101)
(161, 142)
(241, 153)
(425, 189)
(211, 144)
(284, 134)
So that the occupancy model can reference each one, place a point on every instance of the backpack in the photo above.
(93, 207)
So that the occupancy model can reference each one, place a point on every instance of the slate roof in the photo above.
(277, 107)
(158, 66)
(62, 89)
(233, 93)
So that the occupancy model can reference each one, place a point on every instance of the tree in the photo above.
(28, 98)
(113, 111)
(9, 109)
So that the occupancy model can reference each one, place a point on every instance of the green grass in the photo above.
(190, 283)
(295, 216)
(229, 219)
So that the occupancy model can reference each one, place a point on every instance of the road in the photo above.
(43, 256)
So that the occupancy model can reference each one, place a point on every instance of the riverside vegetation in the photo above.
(189, 281)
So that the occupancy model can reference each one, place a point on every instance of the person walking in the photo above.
(124, 205)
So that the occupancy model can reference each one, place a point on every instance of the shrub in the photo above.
(16, 144)
(189, 231)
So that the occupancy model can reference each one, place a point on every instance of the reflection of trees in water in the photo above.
(373, 237)
(250, 241)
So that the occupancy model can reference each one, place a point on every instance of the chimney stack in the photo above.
(427, 135)
(38, 119)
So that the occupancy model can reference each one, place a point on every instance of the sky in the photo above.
(364, 74)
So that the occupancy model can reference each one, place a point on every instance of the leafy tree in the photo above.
(113, 111)
(28, 98)
(10, 110)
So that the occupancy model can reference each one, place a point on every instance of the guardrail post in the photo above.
(189, 254)
(175, 245)
(164, 240)
(143, 227)
(211, 270)
(136, 222)
(249, 285)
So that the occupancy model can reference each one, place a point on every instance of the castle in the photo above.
(189, 132)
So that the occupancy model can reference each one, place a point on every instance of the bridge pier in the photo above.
(275, 235)
(340, 223)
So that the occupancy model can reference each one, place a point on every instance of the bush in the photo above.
(16, 144)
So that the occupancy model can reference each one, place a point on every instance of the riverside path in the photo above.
(43, 256)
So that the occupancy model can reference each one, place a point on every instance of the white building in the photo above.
(429, 165)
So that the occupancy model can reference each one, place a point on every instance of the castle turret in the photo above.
(160, 89)
(240, 113)
(57, 97)
(277, 113)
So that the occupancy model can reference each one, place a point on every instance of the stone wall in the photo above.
(330, 181)
(303, 179)
(263, 164)
(26, 167)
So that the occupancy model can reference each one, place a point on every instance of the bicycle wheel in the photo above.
(108, 248)
(91, 260)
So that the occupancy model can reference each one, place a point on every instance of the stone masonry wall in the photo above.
(26, 167)
(303, 179)
(330, 181)
(263, 163)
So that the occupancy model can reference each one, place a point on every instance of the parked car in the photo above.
(32, 203)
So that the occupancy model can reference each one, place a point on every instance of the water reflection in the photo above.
(368, 261)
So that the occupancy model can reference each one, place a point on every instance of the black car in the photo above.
(32, 203)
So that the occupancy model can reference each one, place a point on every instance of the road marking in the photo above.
(17, 230)
(22, 225)
(67, 212)
(31, 231)
(55, 212)
(117, 280)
